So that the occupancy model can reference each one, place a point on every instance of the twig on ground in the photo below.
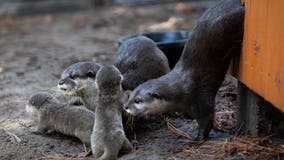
(253, 148)
(13, 137)
(173, 129)
(60, 157)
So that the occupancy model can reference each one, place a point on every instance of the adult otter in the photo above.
(53, 116)
(78, 80)
(139, 59)
(192, 85)
(108, 136)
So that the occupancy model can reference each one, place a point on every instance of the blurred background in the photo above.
(28, 7)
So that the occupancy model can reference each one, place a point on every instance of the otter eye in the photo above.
(155, 95)
(137, 100)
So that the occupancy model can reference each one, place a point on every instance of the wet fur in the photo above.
(108, 136)
(139, 59)
(192, 85)
(69, 120)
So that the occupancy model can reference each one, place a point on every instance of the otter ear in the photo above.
(93, 70)
(156, 95)
(91, 73)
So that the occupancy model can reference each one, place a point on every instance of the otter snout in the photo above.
(129, 108)
(141, 107)
(126, 106)
(134, 108)
(66, 85)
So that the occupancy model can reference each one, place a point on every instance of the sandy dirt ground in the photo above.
(34, 50)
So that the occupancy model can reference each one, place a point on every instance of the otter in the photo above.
(78, 80)
(63, 98)
(192, 85)
(139, 59)
(54, 116)
(108, 136)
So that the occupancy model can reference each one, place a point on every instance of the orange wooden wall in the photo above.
(262, 60)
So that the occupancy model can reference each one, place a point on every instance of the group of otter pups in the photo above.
(100, 87)
(190, 87)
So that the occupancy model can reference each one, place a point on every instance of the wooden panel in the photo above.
(262, 60)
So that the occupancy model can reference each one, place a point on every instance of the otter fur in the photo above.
(53, 116)
(78, 80)
(139, 59)
(108, 136)
(192, 85)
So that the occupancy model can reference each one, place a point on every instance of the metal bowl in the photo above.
(170, 42)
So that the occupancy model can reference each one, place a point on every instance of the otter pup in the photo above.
(78, 80)
(192, 85)
(139, 59)
(53, 116)
(108, 136)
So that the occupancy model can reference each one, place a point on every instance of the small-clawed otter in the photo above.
(192, 85)
(108, 136)
(78, 80)
(139, 59)
(70, 120)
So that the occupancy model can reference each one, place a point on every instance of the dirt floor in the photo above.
(34, 50)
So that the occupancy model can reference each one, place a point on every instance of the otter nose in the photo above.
(61, 82)
(125, 106)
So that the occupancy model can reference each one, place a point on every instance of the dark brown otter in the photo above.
(54, 116)
(192, 85)
(108, 136)
(139, 59)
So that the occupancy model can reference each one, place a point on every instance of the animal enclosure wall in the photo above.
(261, 65)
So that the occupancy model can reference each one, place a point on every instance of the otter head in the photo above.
(108, 79)
(37, 101)
(150, 97)
(77, 78)
(139, 59)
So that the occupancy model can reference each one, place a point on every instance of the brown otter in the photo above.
(78, 80)
(192, 85)
(139, 59)
(53, 116)
(108, 136)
